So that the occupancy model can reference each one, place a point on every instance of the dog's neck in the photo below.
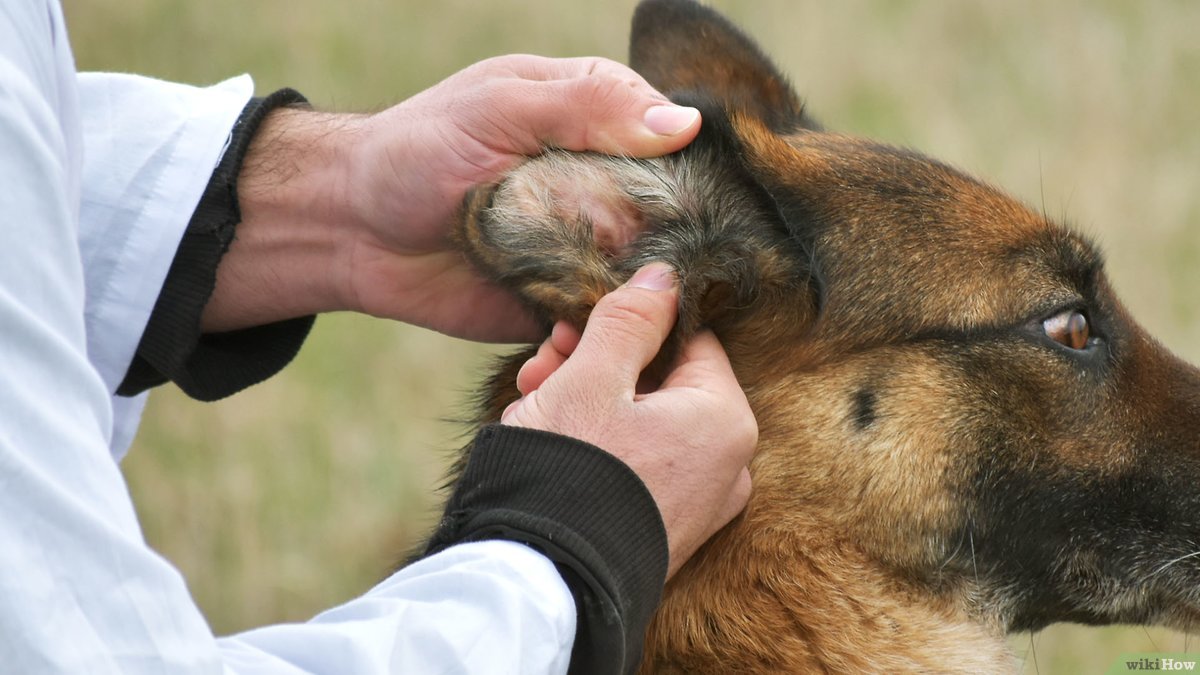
(786, 591)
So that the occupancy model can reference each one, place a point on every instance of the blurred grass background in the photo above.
(303, 491)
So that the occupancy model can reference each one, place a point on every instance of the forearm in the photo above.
(149, 148)
(289, 256)
(353, 212)
(335, 215)
(174, 346)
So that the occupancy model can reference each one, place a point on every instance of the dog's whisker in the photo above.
(954, 553)
(988, 368)
(1168, 564)
(1151, 639)
(974, 562)
(1033, 648)
(1042, 186)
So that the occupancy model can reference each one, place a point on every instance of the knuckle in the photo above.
(600, 68)
(488, 65)
(508, 65)
(741, 490)
(485, 70)
(630, 312)
(745, 426)
(736, 430)
(747, 432)
(627, 325)
(606, 91)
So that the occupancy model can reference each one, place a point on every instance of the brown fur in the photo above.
(933, 470)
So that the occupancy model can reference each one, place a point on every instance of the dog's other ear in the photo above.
(681, 45)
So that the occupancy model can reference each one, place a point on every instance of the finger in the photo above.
(506, 417)
(551, 355)
(589, 104)
(565, 337)
(522, 412)
(541, 366)
(626, 330)
(703, 364)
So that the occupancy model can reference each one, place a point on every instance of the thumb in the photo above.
(599, 105)
(627, 328)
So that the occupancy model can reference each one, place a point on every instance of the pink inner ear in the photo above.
(583, 190)
(616, 224)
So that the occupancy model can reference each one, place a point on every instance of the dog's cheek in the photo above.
(858, 445)
(909, 448)
(1055, 492)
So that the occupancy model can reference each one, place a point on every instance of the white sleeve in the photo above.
(485, 607)
(149, 150)
(80, 591)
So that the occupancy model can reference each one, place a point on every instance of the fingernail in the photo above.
(668, 120)
(655, 277)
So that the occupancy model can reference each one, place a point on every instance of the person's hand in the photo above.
(422, 155)
(689, 440)
(354, 212)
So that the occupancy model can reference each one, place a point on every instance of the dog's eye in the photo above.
(1069, 328)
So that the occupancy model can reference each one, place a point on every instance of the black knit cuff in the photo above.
(215, 365)
(588, 512)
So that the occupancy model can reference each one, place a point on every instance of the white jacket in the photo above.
(99, 175)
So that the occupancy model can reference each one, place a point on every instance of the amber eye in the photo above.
(1069, 328)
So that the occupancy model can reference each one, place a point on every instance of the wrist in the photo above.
(286, 258)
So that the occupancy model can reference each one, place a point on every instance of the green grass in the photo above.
(303, 491)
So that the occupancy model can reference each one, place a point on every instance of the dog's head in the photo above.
(948, 390)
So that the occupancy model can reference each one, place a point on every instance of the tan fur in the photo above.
(933, 470)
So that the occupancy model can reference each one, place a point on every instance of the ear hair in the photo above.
(726, 236)
(701, 210)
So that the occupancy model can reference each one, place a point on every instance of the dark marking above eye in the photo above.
(863, 409)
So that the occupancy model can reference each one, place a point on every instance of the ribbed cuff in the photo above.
(588, 512)
(216, 365)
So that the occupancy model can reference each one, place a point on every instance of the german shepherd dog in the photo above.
(962, 431)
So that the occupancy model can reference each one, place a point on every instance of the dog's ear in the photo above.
(682, 46)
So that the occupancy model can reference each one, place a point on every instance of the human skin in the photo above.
(689, 439)
(353, 212)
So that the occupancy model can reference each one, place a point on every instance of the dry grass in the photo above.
(302, 491)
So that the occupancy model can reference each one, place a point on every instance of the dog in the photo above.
(963, 433)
